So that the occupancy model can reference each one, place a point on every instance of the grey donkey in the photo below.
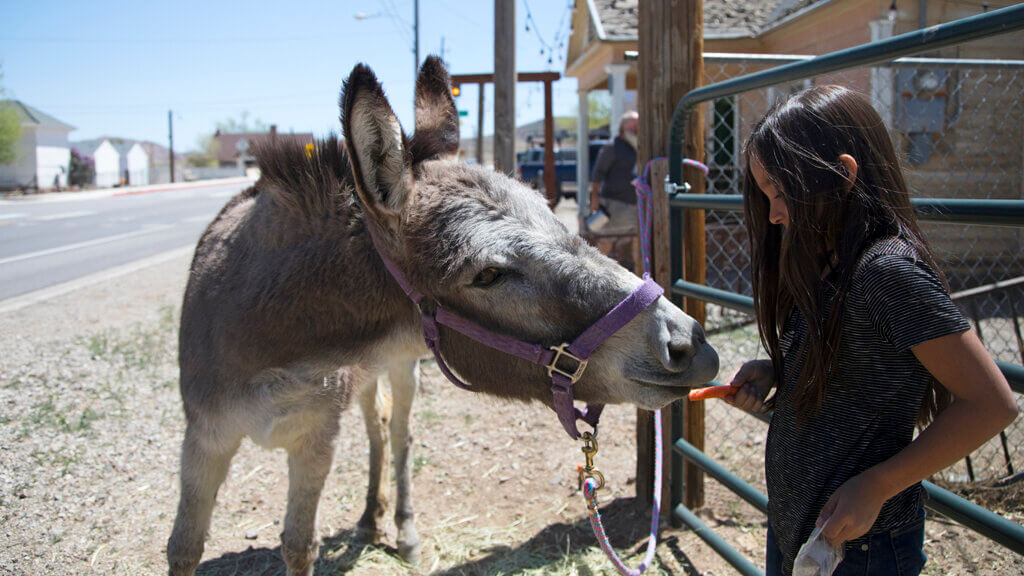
(289, 310)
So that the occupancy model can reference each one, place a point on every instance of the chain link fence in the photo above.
(958, 125)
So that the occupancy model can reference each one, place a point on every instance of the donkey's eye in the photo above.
(487, 277)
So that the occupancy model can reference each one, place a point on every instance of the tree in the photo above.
(207, 154)
(242, 124)
(10, 128)
(599, 109)
(82, 170)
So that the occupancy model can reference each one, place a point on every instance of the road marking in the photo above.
(64, 215)
(23, 300)
(85, 244)
(12, 215)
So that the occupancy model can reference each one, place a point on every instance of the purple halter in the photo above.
(562, 378)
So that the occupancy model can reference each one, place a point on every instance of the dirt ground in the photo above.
(90, 425)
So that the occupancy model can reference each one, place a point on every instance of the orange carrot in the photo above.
(712, 392)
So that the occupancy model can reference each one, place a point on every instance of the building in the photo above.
(134, 163)
(106, 160)
(43, 156)
(160, 163)
(957, 120)
(234, 149)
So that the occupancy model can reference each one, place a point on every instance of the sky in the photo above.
(115, 68)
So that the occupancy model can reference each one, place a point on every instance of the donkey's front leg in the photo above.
(405, 378)
(309, 461)
(376, 407)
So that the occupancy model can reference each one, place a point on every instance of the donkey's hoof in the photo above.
(368, 536)
(409, 551)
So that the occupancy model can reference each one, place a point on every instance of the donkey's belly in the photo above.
(290, 403)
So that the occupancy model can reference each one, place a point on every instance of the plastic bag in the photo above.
(817, 557)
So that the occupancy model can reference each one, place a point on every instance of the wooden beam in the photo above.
(460, 79)
(505, 86)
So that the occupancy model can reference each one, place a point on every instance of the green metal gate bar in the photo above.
(953, 210)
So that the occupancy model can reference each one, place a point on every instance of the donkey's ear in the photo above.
(437, 120)
(377, 148)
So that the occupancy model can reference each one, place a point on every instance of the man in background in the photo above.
(611, 187)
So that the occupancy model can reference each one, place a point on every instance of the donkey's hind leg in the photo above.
(309, 461)
(376, 408)
(205, 460)
(405, 377)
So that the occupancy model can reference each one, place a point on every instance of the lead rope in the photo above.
(590, 478)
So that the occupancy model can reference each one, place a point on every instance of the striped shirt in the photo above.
(872, 398)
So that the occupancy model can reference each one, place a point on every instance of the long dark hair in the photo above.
(830, 222)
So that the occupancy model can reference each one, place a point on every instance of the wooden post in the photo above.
(670, 40)
(694, 248)
(505, 86)
(480, 125)
(549, 147)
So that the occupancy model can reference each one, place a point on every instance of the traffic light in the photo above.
(456, 90)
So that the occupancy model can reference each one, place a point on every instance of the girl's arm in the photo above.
(983, 405)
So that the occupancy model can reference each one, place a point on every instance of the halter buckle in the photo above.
(561, 351)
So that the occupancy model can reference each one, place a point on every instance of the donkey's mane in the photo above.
(308, 182)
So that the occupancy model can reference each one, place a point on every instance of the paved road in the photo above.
(55, 238)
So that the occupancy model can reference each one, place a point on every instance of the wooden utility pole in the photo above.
(670, 65)
(480, 125)
(505, 86)
(170, 140)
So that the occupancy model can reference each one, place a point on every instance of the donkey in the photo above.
(290, 310)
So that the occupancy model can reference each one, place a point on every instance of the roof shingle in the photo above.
(619, 18)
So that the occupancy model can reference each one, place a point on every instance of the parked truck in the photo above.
(530, 167)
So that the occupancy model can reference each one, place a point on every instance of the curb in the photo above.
(113, 192)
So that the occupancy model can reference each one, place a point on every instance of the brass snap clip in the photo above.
(589, 470)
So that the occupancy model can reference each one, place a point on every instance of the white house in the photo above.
(44, 155)
(160, 163)
(106, 161)
(134, 162)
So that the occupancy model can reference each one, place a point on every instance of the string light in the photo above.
(546, 48)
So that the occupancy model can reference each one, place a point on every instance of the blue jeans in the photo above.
(898, 552)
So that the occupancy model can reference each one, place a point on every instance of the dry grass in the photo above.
(90, 426)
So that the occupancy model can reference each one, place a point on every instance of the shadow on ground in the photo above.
(549, 549)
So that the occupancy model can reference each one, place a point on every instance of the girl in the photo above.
(863, 339)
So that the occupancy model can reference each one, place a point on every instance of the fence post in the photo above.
(668, 40)
(694, 249)
(661, 270)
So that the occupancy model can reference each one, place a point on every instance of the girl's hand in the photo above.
(852, 509)
(755, 379)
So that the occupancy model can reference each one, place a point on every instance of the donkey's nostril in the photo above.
(679, 356)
